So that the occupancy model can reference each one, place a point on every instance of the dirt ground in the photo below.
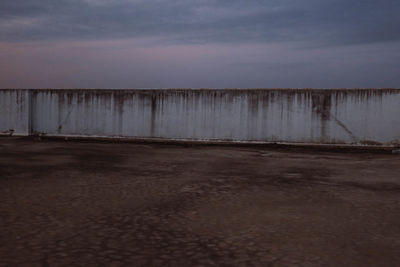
(117, 204)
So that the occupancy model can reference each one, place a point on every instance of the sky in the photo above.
(199, 44)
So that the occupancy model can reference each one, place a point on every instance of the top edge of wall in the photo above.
(202, 89)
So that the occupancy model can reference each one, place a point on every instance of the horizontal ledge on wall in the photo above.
(356, 148)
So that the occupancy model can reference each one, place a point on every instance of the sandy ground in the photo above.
(116, 204)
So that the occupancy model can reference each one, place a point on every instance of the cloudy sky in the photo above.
(199, 43)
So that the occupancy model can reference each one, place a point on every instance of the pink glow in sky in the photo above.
(143, 64)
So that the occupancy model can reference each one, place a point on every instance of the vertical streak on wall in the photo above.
(30, 113)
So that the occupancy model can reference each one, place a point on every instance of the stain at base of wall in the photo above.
(8, 132)
(370, 143)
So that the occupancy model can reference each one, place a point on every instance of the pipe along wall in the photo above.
(318, 116)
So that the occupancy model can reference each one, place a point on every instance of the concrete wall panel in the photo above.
(14, 112)
(365, 116)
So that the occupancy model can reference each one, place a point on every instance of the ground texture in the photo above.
(115, 204)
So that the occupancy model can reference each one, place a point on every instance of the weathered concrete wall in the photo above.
(365, 116)
(14, 112)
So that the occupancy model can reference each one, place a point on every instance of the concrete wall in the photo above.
(353, 116)
(14, 112)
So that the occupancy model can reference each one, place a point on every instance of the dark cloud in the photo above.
(328, 22)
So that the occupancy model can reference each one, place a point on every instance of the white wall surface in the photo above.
(14, 112)
(365, 116)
